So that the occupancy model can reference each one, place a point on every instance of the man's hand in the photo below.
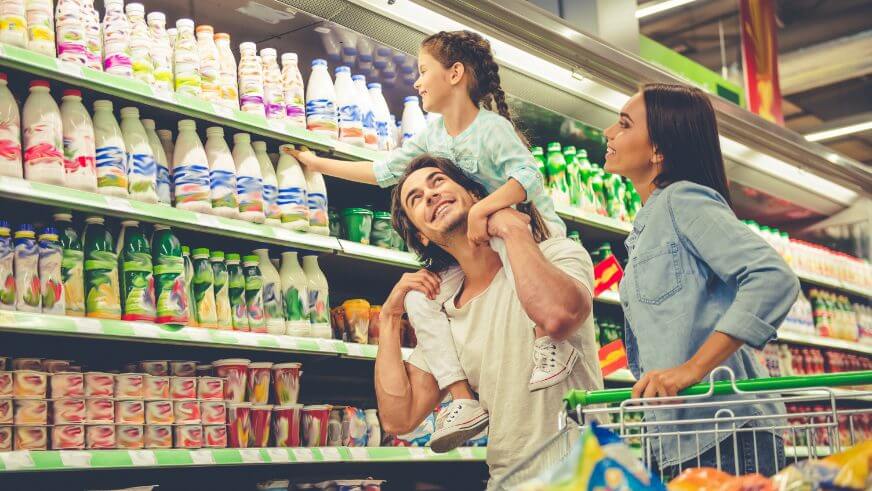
(666, 383)
(423, 281)
(508, 221)
(477, 225)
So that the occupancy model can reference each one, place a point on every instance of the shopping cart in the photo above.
(826, 420)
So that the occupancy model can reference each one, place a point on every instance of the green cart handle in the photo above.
(576, 397)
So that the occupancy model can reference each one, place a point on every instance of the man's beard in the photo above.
(454, 229)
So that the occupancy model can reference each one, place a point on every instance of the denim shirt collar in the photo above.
(641, 219)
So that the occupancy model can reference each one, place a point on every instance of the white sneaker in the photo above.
(461, 420)
(552, 362)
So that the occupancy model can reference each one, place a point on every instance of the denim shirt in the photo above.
(694, 269)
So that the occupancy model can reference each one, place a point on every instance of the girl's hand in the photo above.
(476, 226)
(666, 383)
(423, 281)
(306, 158)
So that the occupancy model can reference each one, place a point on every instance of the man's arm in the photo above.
(551, 298)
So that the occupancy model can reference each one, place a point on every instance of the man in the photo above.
(492, 322)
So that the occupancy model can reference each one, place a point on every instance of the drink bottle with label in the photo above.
(370, 133)
(539, 157)
(79, 145)
(7, 268)
(293, 197)
(319, 298)
(413, 118)
(295, 295)
(273, 93)
(186, 59)
(140, 44)
(141, 166)
(137, 275)
(72, 264)
(189, 284)
(204, 289)
(294, 93)
(163, 185)
(116, 40)
(10, 133)
(319, 221)
(270, 184)
(220, 280)
(321, 113)
(557, 174)
(171, 296)
(101, 271)
(254, 294)
(190, 172)
(111, 152)
(228, 78)
(236, 292)
(43, 136)
(272, 293)
(209, 67)
(27, 285)
(348, 107)
(250, 80)
(573, 177)
(222, 174)
(50, 276)
(249, 181)
(161, 52)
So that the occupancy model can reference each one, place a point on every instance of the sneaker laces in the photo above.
(545, 356)
(449, 416)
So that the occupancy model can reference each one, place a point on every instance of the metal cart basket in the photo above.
(821, 419)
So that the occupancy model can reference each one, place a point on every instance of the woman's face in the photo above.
(629, 152)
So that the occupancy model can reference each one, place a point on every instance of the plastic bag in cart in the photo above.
(599, 461)
(851, 469)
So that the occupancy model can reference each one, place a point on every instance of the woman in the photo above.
(700, 289)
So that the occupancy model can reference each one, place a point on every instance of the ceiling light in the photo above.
(837, 132)
(651, 8)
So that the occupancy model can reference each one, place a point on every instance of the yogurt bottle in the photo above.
(191, 170)
(273, 90)
(43, 136)
(161, 52)
(272, 293)
(270, 184)
(228, 82)
(413, 118)
(72, 265)
(168, 144)
(189, 283)
(348, 106)
(7, 268)
(186, 59)
(111, 154)
(222, 174)
(319, 298)
(162, 179)
(220, 281)
(40, 27)
(250, 80)
(137, 280)
(382, 117)
(141, 44)
(317, 200)
(79, 150)
(293, 200)
(209, 67)
(27, 285)
(370, 134)
(321, 115)
(13, 23)
(203, 287)
(101, 271)
(236, 292)
(293, 91)
(116, 40)
(249, 182)
(254, 294)
(171, 297)
(295, 296)
(141, 166)
(93, 35)
(173, 34)
(50, 277)
(10, 133)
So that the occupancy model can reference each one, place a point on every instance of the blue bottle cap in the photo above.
(342, 69)
(358, 77)
(374, 85)
(319, 62)
(411, 98)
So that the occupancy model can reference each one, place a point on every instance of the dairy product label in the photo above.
(163, 186)
(319, 307)
(142, 172)
(270, 202)
(79, 154)
(73, 276)
(10, 145)
(223, 187)
(294, 204)
(317, 209)
(138, 288)
(321, 116)
(111, 167)
(101, 282)
(272, 301)
(191, 183)
(296, 304)
(51, 282)
(350, 122)
(171, 297)
(254, 303)
(250, 192)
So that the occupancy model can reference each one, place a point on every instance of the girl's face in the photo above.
(435, 82)
(629, 152)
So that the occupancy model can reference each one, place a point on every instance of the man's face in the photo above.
(436, 205)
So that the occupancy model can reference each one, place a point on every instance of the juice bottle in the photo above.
(13, 23)
(249, 182)
(116, 40)
(272, 293)
(27, 286)
(597, 188)
(161, 52)
(171, 297)
(209, 67)
(539, 157)
(189, 286)
(40, 27)
(7, 268)
(43, 136)
(572, 177)
(101, 271)
(270, 184)
(292, 197)
(228, 82)
(293, 90)
(191, 170)
(163, 186)
(236, 292)
(347, 103)
(250, 80)
(72, 40)
(319, 298)
(111, 155)
(79, 146)
(10, 133)
(413, 119)
(141, 166)
(93, 35)
(321, 114)
(382, 116)
(370, 133)
(222, 174)
(72, 264)
(273, 93)
(220, 279)
(317, 198)
(186, 59)
(254, 294)
(295, 293)
(204, 290)
(50, 276)
(137, 278)
(140, 44)
(557, 174)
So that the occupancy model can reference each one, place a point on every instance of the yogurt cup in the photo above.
(34, 364)
(357, 320)
(99, 436)
(156, 387)
(130, 412)
(68, 437)
(67, 384)
(210, 388)
(99, 411)
(261, 415)
(159, 413)
(6, 411)
(6, 385)
(68, 411)
(54, 366)
(188, 436)
(183, 368)
(30, 412)
(286, 382)
(31, 437)
(29, 383)
(158, 436)
(183, 388)
(286, 425)
(130, 437)
(130, 386)
(258, 382)
(186, 412)
(215, 436)
(357, 224)
(6, 438)
(234, 371)
(238, 424)
(99, 384)
(213, 412)
(158, 368)
(314, 424)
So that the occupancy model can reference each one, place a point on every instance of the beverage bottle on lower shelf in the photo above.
(222, 174)
(171, 296)
(79, 145)
(191, 170)
(140, 44)
(250, 80)
(236, 292)
(204, 290)
(270, 184)
(163, 186)
(10, 133)
(413, 118)
(319, 222)
(7, 268)
(186, 59)
(273, 93)
(161, 52)
(111, 155)
(101, 271)
(220, 282)
(573, 177)
(13, 23)
(249, 182)
(557, 174)
(93, 35)
(116, 40)
(189, 284)
(50, 275)
(72, 38)
(293, 90)
(40, 27)
(43, 136)
(348, 107)
(272, 293)
(292, 197)
(137, 277)
(319, 298)
(295, 296)
(72, 265)
(141, 166)
(367, 116)
(228, 79)
(321, 113)
(539, 157)
(597, 188)
(382, 116)
(209, 68)
(254, 294)
(27, 286)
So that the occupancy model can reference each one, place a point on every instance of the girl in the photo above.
(700, 289)
(460, 80)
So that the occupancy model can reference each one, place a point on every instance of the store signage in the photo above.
(612, 357)
(760, 58)
(607, 273)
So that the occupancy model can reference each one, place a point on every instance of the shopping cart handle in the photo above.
(576, 397)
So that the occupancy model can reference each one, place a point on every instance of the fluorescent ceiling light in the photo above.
(651, 8)
(837, 132)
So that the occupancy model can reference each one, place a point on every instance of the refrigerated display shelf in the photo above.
(835, 284)
(57, 460)
(823, 342)
(617, 227)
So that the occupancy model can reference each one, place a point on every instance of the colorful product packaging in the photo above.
(99, 384)
(234, 371)
(31, 437)
(159, 413)
(68, 437)
(100, 436)
(183, 388)
(130, 386)
(215, 436)
(68, 411)
(186, 412)
(286, 382)
(188, 436)
(286, 425)
(260, 425)
(130, 412)
(183, 368)
(213, 412)
(31, 412)
(130, 437)
(6, 384)
(258, 382)
(314, 423)
(99, 410)
(6, 411)
(67, 384)
(29, 383)
(156, 387)
(157, 368)
(210, 388)
(238, 424)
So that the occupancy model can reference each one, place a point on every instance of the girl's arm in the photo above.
(509, 194)
(350, 171)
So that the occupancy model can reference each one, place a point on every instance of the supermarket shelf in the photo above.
(835, 284)
(822, 342)
(56, 460)
(621, 376)
(600, 222)
(609, 296)
(390, 257)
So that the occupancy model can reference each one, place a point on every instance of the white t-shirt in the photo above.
(494, 340)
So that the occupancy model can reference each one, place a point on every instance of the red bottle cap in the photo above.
(72, 92)
(39, 83)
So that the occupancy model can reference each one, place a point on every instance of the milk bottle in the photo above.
(173, 34)
(270, 184)
(328, 40)
(321, 115)
(191, 170)
(27, 285)
(350, 116)
(317, 199)
(7, 268)
(40, 27)
(382, 116)
(295, 296)
(293, 198)
(222, 174)
(370, 134)
(249, 182)
(141, 166)
(220, 281)
(250, 80)
(294, 94)
(413, 118)
(116, 40)
(272, 294)
(72, 264)
(168, 144)
(13, 23)
(111, 155)
(228, 82)
(93, 36)
(273, 93)
(186, 59)
(319, 298)
(209, 69)
(43, 136)
(161, 52)
(140, 44)
(10, 133)
(79, 149)
(162, 179)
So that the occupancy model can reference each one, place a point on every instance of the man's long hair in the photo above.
(432, 256)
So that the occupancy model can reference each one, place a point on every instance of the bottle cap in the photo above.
(553, 147)
(39, 83)
(259, 146)
(156, 17)
(215, 131)
(186, 250)
(103, 104)
(267, 52)
(319, 62)
(216, 255)
(201, 252)
(342, 69)
(187, 124)
(358, 77)
(135, 8)
(185, 24)
(72, 93)
(205, 29)
(374, 85)
(94, 219)
(130, 223)
(410, 99)
(232, 256)
(3, 76)
(148, 124)
(130, 112)
(222, 36)
(247, 46)
(241, 138)
(289, 58)
(251, 259)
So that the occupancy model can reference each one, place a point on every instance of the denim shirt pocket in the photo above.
(657, 273)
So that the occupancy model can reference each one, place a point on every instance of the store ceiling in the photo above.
(825, 50)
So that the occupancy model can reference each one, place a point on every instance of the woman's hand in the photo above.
(477, 226)
(423, 281)
(666, 383)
